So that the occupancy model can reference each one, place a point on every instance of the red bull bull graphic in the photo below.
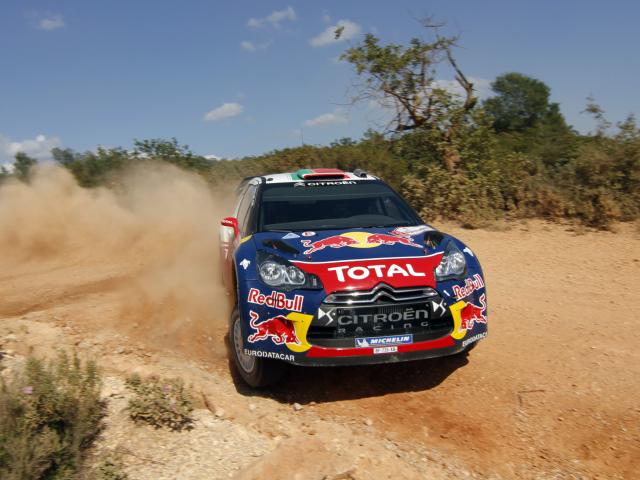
(279, 329)
(337, 241)
(466, 315)
(383, 239)
(358, 240)
(276, 300)
(471, 314)
(469, 287)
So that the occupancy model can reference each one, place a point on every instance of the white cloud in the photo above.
(227, 110)
(349, 31)
(40, 148)
(251, 47)
(274, 19)
(46, 20)
(212, 157)
(327, 120)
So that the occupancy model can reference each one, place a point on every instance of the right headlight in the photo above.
(275, 271)
(453, 265)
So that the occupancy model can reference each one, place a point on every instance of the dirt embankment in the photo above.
(553, 392)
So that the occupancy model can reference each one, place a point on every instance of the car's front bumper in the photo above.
(284, 326)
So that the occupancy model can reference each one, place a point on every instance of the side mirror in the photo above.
(233, 223)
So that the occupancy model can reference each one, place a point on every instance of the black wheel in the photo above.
(257, 372)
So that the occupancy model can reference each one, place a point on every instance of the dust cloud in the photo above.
(153, 240)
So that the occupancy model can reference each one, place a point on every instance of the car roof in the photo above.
(308, 175)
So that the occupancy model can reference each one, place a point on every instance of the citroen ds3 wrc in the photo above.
(335, 268)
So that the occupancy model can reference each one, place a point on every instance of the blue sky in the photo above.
(235, 79)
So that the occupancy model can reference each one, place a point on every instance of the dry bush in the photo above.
(160, 402)
(50, 414)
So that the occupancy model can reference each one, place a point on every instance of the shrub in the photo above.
(160, 402)
(50, 413)
(110, 468)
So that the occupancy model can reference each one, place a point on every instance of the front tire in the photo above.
(257, 372)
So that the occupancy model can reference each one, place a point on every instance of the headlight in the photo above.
(453, 265)
(275, 271)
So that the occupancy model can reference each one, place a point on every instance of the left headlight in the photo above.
(275, 271)
(453, 265)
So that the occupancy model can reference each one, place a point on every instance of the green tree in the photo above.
(172, 152)
(23, 164)
(521, 103)
(402, 80)
(92, 168)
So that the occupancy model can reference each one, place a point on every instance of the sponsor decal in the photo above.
(470, 285)
(468, 250)
(290, 235)
(372, 318)
(397, 272)
(276, 300)
(438, 306)
(375, 341)
(279, 329)
(471, 314)
(358, 240)
(324, 184)
(380, 271)
(385, 350)
(307, 234)
(262, 354)
(410, 231)
(475, 338)
(326, 313)
(245, 263)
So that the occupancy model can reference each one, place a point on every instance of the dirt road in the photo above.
(553, 392)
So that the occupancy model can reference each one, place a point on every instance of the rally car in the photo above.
(335, 268)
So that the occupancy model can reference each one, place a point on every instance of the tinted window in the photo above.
(355, 205)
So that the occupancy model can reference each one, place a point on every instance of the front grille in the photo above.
(381, 293)
(338, 326)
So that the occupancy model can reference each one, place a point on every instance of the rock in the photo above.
(10, 338)
(297, 407)
(368, 422)
(252, 407)
(219, 412)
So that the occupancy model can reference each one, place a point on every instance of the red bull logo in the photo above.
(471, 314)
(358, 240)
(276, 300)
(280, 329)
(469, 287)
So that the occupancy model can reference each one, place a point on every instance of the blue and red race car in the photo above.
(335, 268)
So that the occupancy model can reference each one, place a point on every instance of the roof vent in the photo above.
(358, 172)
(320, 173)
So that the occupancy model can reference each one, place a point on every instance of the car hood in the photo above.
(361, 258)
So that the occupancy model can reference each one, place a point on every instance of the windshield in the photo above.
(367, 204)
